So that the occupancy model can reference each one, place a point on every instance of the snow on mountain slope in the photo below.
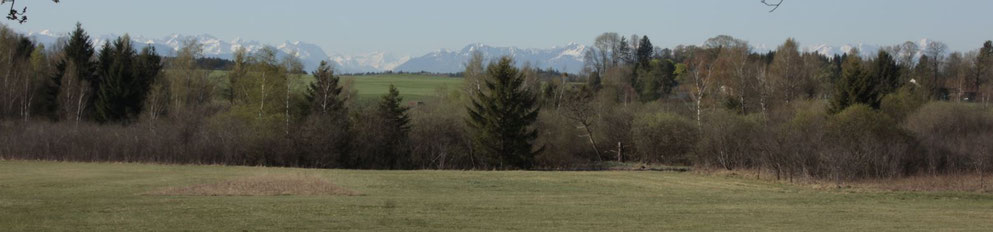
(568, 58)
(369, 62)
(309, 54)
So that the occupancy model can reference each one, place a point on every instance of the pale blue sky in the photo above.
(418, 27)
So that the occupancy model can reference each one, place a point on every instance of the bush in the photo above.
(728, 140)
(955, 136)
(865, 143)
(793, 147)
(439, 137)
(901, 103)
(566, 143)
(665, 138)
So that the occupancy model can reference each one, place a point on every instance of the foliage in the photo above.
(855, 86)
(502, 115)
(125, 80)
(664, 138)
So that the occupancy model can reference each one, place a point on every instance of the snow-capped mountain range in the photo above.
(865, 50)
(568, 58)
(309, 54)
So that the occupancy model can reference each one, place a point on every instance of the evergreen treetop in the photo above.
(502, 116)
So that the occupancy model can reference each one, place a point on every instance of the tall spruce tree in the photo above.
(78, 52)
(501, 117)
(327, 131)
(124, 82)
(984, 67)
(854, 87)
(644, 52)
(324, 94)
(924, 76)
(395, 129)
(886, 76)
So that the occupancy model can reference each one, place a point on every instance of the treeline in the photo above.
(720, 105)
(77, 102)
(791, 113)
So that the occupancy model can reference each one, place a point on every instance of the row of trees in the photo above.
(252, 115)
(77, 83)
(795, 113)
(719, 105)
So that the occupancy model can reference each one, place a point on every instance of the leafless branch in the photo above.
(773, 5)
(18, 15)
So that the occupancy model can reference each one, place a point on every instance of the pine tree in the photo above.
(657, 79)
(984, 67)
(924, 76)
(324, 94)
(854, 87)
(501, 117)
(395, 130)
(886, 76)
(327, 132)
(644, 53)
(78, 55)
(124, 82)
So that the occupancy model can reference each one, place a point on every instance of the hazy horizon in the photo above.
(416, 28)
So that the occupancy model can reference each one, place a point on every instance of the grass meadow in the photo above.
(63, 196)
(412, 87)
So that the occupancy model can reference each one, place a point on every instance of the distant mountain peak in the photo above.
(567, 58)
(309, 54)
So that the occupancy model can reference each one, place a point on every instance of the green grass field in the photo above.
(54, 196)
(413, 87)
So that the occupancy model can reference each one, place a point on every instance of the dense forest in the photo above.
(789, 113)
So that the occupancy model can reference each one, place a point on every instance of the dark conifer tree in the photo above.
(854, 87)
(644, 53)
(984, 65)
(78, 51)
(124, 81)
(501, 117)
(886, 76)
(324, 94)
(924, 76)
(327, 129)
(395, 129)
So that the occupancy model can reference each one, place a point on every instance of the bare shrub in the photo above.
(664, 137)
(927, 183)
(955, 136)
(727, 140)
(794, 147)
(864, 143)
(566, 144)
(438, 136)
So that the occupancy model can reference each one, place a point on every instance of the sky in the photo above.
(417, 27)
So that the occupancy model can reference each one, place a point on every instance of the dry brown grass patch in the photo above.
(921, 183)
(261, 185)
(964, 183)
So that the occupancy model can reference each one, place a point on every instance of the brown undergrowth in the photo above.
(920, 183)
(261, 185)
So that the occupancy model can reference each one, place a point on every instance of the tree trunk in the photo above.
(262, 101)
(589, 134)
(620, 152)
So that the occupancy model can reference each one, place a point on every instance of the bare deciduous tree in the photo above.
(773, 5)
(15, 15)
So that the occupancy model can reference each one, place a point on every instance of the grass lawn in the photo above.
(55, 196)
(413, 87)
